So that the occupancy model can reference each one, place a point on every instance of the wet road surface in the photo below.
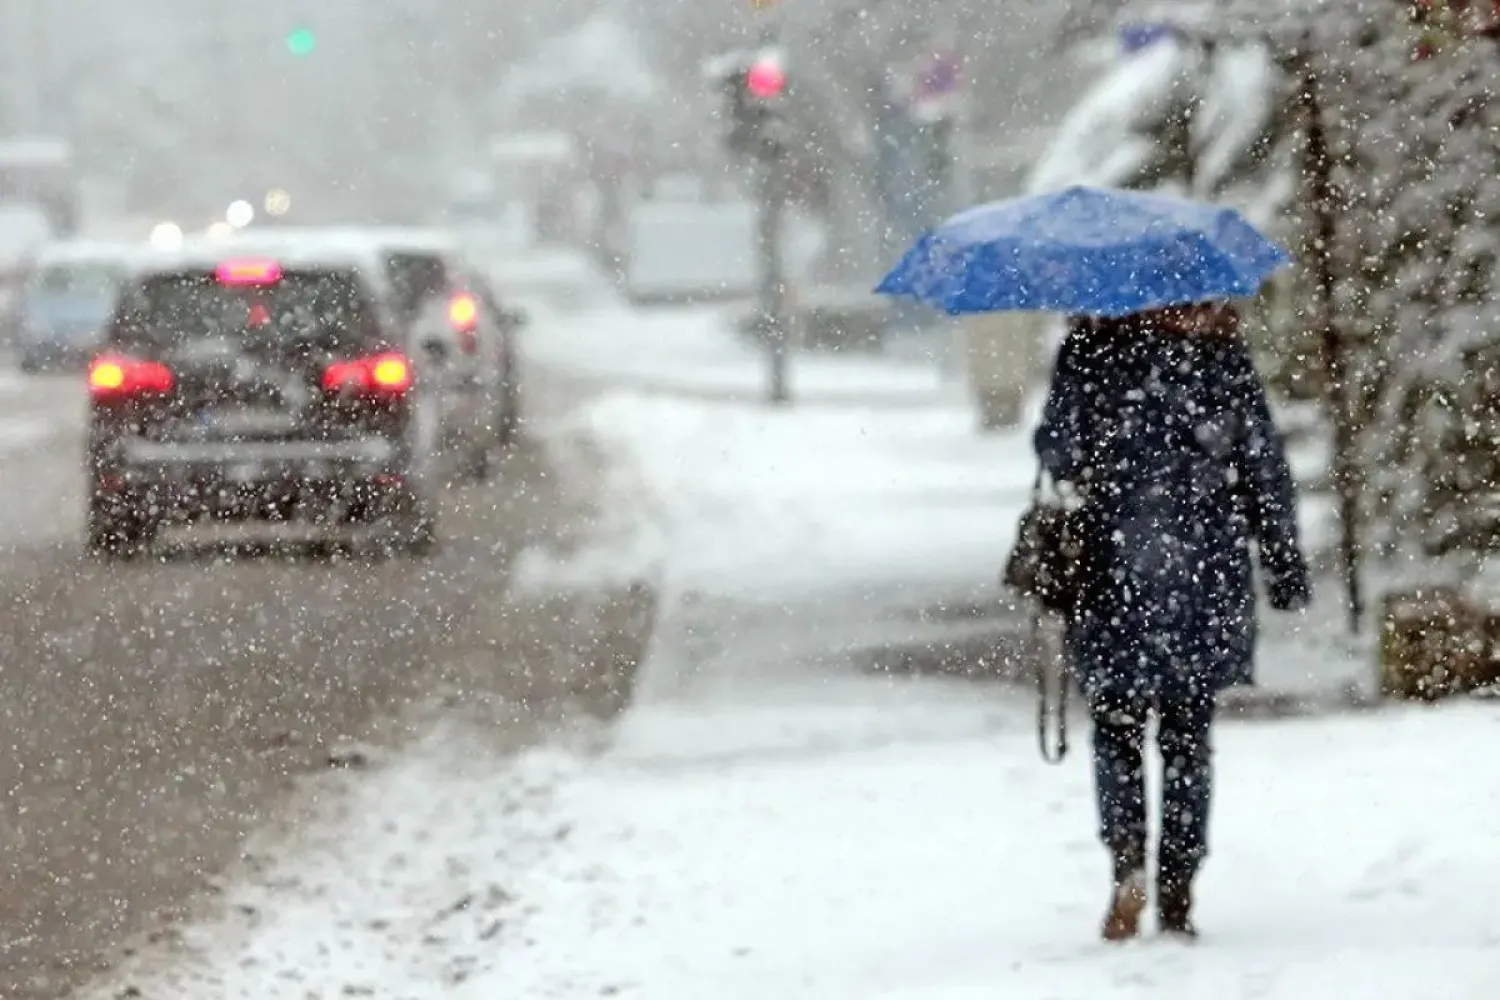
(154, 712)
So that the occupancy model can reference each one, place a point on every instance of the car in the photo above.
(241, 386)
(468, 334)
(468, 339)
(65, 301)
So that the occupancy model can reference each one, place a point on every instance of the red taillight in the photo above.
(113, 377)
(382, 374)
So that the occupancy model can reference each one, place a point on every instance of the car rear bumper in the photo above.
(250, 480)
(173, 458)
(269, 500)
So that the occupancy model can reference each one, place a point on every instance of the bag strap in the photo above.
(1053, 752)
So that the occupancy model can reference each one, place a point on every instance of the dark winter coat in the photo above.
(1171, 442)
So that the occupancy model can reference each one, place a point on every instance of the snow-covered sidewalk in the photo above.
(1349, 860)
(965, 868)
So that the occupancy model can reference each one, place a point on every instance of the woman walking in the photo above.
(1160, 424)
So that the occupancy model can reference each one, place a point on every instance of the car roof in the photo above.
(379, 239)
(296, 254)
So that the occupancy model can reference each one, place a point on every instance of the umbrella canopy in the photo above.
(1087, 251)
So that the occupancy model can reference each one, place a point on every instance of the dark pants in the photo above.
(1120, 781)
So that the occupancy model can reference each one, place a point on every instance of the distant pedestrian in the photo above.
(1160, 423)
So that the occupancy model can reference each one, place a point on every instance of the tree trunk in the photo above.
(1318, 174)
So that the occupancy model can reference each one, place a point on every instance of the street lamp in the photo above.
(239, 214)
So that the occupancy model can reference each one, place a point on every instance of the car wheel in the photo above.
(409, 528)
(413, 535)
(421, 539)
(115, 534)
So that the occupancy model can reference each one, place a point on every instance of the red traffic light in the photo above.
(765, 78)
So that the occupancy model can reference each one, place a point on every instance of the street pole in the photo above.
(770, 155)
(774, 324)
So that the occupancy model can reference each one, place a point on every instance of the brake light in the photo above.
(248, 272)
(118, 378)
(391, 372)
(383, 374)
(463, 316)
(463, 311)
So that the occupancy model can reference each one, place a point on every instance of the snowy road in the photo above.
(771, 818)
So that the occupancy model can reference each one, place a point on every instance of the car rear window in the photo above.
(416, 279)
(307, 310)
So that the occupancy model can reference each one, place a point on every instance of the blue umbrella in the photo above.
(1085, 251)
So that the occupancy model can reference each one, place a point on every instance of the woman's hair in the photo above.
(1089, 327)
(1202, 319)
(1221, 319)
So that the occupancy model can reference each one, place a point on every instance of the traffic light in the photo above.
(301, 41)
(756, 88)
(765, 78)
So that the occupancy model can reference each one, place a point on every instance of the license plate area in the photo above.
(245, 422)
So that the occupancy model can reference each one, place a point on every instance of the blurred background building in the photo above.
(175, 107)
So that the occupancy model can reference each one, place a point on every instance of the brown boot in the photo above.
(1128, 900)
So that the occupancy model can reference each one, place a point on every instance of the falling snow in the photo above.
(470, 529)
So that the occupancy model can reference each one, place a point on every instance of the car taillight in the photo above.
(113, 377)
(381, 374)
(463, 311)
(463, 316)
